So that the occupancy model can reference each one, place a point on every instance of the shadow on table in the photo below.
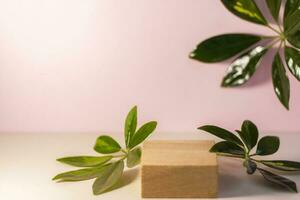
(129, 176)
(234, 182)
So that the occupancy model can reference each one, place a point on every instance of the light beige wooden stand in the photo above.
(179, 169)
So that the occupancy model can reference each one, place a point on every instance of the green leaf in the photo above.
(142, 134)
(80, 175)
(283, 165)
(250, 166)
(222, 47)
(109, 178)
(134, 157)
(85, 161)
(106, 144)
(268, 145)
(281, 82)
(249, 134)
(292, 20)
(130, 125)
(226, 147)
(274, 7)
(290, 7)
(221, 133)
(294, 39)
(292, 58)
(278, 180)
(242, 69)
(245, 9)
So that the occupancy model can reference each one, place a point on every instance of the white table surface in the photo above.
(28, 163)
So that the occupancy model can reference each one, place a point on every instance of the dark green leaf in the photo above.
(249, 134)
(221, 133)
(134, 157)
(281, 82)
(274, 7)
(292, 18)
(294, 39)
(142, 133)
(245, 9)
(109, 178)
(268, 145)
(291, 22)
(226, 147)
(290, 7)
(250, 166)
(278, 180)
(81, 175)
(283, 165)
(292, 58)
(242, 69)
(130, 125)
(222, 47)
(85, 161)
(106, 144)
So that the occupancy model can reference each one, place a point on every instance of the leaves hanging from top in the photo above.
(222, 47)
(108, 169)
(241, 147)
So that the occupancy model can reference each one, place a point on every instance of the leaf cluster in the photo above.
(249, 49)
(108, 168)
(241, 145)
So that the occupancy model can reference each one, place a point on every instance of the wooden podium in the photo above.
(179, 169)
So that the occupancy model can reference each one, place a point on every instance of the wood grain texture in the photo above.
(179, 169)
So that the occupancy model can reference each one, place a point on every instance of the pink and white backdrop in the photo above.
(80, 65)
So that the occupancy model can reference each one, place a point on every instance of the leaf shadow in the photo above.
(129, 176)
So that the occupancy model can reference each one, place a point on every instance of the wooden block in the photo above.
(179, 169)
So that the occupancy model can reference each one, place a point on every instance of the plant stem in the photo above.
(118, 156)
(123, 158)
(229, 155)
(273, 42)
(270, 37)
(273, 29)
(256, 160)
(284, 43)
(121, 155)
(281, 42)
(124, 151)
(279, 26)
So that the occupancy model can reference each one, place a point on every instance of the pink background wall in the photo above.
(79, 65)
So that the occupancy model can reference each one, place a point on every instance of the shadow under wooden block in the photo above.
(179, 169)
